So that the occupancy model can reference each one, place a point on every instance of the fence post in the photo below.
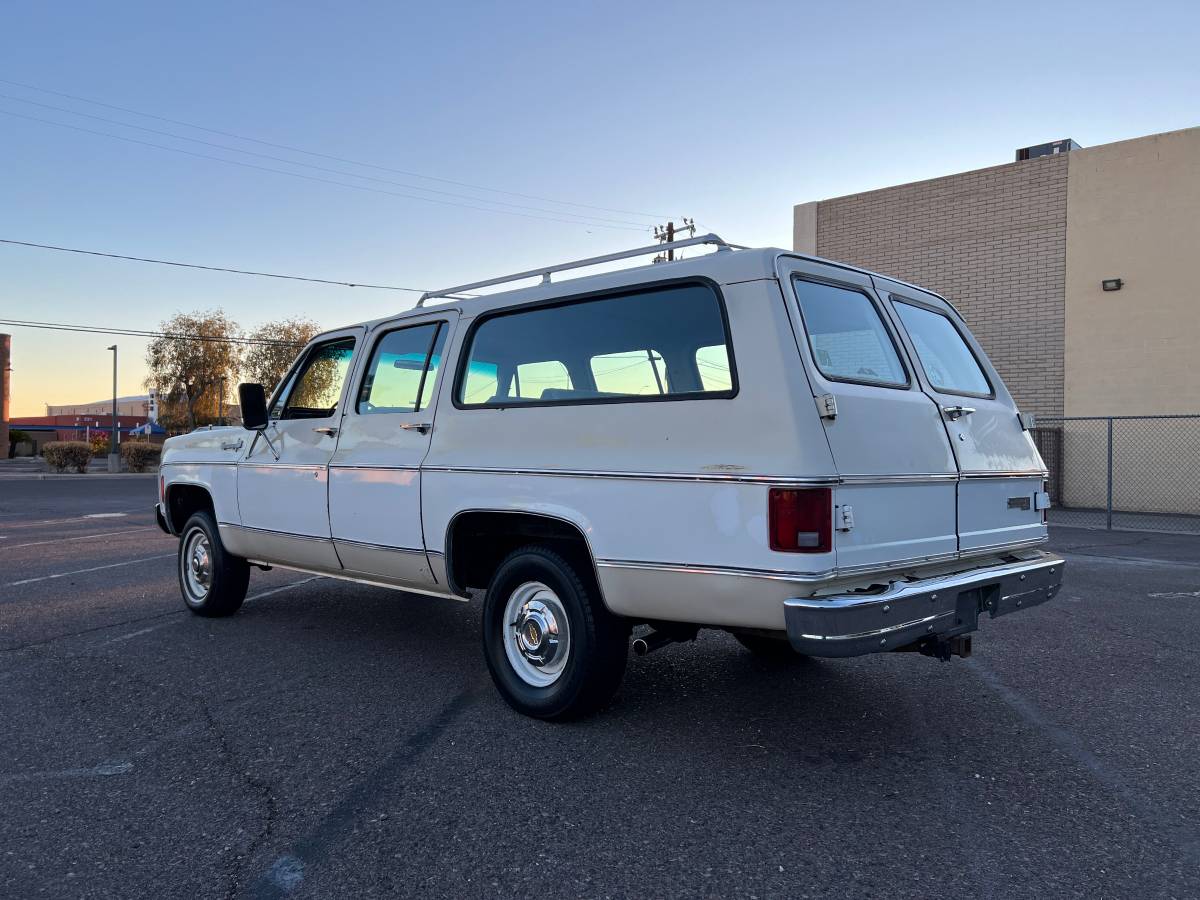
(1109, 505)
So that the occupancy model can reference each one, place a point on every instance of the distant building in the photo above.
(1073, 266)
(143, 405)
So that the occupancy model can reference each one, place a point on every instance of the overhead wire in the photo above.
(341, 159)
(143, 333)
(585, 219)
(183, 265)
(316, 178)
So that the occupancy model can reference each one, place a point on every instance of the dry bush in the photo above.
(63, 455)
(140, 455)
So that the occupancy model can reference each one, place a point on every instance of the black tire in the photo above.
(768, 647)
(227, 575)
(597, 641)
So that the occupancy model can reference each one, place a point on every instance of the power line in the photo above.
(180, 137)
(137, 332)
(340, 159)
(357, 187)
(183, 265)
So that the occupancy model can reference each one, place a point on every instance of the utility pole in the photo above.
(114, 458)
(665, 234)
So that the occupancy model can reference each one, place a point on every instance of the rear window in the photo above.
(948, 362)
(662, 343)
(847, 336)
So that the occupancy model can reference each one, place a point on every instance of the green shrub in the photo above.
(138, 455)
(63, 455)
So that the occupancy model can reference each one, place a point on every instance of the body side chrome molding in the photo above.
(283, 534)
(369, 546)
(721, 477)
(689, 569)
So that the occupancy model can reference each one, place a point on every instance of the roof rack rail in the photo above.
(545, 271)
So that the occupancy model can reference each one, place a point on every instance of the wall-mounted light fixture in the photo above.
(1112, 284)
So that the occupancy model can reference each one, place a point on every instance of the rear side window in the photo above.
(660, 343)
(948, 362)
(403, 371)
(847, 336)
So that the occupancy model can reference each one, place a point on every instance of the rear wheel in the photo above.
(768, 647)
(553, 649)
(212, 580)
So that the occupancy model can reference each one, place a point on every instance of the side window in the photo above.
(643, 344)
(318, 384)
(642, 372)
(847, 336)
(948, 362)
(403, 371)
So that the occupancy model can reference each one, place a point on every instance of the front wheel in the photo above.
(553, 649)
(212, 580)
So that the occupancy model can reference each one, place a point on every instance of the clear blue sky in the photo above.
(730, 113)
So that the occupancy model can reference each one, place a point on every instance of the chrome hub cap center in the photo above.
(537, 637)
(196, 566)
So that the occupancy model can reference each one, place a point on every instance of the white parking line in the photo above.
(128, 562)
(113, 515)
(81, 537)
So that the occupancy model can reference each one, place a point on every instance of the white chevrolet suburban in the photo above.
(817, 459)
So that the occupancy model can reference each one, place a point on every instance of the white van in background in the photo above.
(818, 459)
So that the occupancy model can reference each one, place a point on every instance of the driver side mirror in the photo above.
(253, 398)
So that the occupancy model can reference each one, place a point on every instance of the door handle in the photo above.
(234, 445)
(957, 412)
(327, 430)
(421, 427)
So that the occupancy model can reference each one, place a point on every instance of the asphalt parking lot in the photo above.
(338, 740)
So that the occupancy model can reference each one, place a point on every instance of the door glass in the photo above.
(949, 363)
(318, 385)
(846, 333)
(403, 371)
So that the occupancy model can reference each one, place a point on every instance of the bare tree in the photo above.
(189, 364)
(268, 363)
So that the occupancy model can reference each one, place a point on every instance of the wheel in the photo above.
(767, 647)
(212, 580)
(554, 650)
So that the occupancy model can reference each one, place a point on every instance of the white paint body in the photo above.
(670, 496)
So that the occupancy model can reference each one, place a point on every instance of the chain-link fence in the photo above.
(1123, 472)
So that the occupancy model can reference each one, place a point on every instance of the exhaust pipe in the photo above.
(656, 640)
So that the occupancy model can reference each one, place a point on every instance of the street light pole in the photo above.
(114, 459)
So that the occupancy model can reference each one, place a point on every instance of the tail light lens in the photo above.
(801, 520)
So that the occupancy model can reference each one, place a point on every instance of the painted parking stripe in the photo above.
(128, 562)
(81, 537)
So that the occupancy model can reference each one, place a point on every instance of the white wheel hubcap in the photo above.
(537, 635)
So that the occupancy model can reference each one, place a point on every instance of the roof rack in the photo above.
(545, 271)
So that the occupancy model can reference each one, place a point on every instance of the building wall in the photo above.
(993, 241)
(1134, 214)
(126, 406)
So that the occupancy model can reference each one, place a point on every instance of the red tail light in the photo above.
(801, 520)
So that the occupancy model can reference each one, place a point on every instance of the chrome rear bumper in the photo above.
(908, 613)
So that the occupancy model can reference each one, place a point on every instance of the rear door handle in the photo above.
(957, 412)
(422, 427)
(327, 430)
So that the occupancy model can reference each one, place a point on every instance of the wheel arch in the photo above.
(478, 540)
(182, 500)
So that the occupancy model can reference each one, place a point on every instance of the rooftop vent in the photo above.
(1051, 149)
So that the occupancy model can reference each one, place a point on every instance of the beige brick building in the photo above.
(1022, 250)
